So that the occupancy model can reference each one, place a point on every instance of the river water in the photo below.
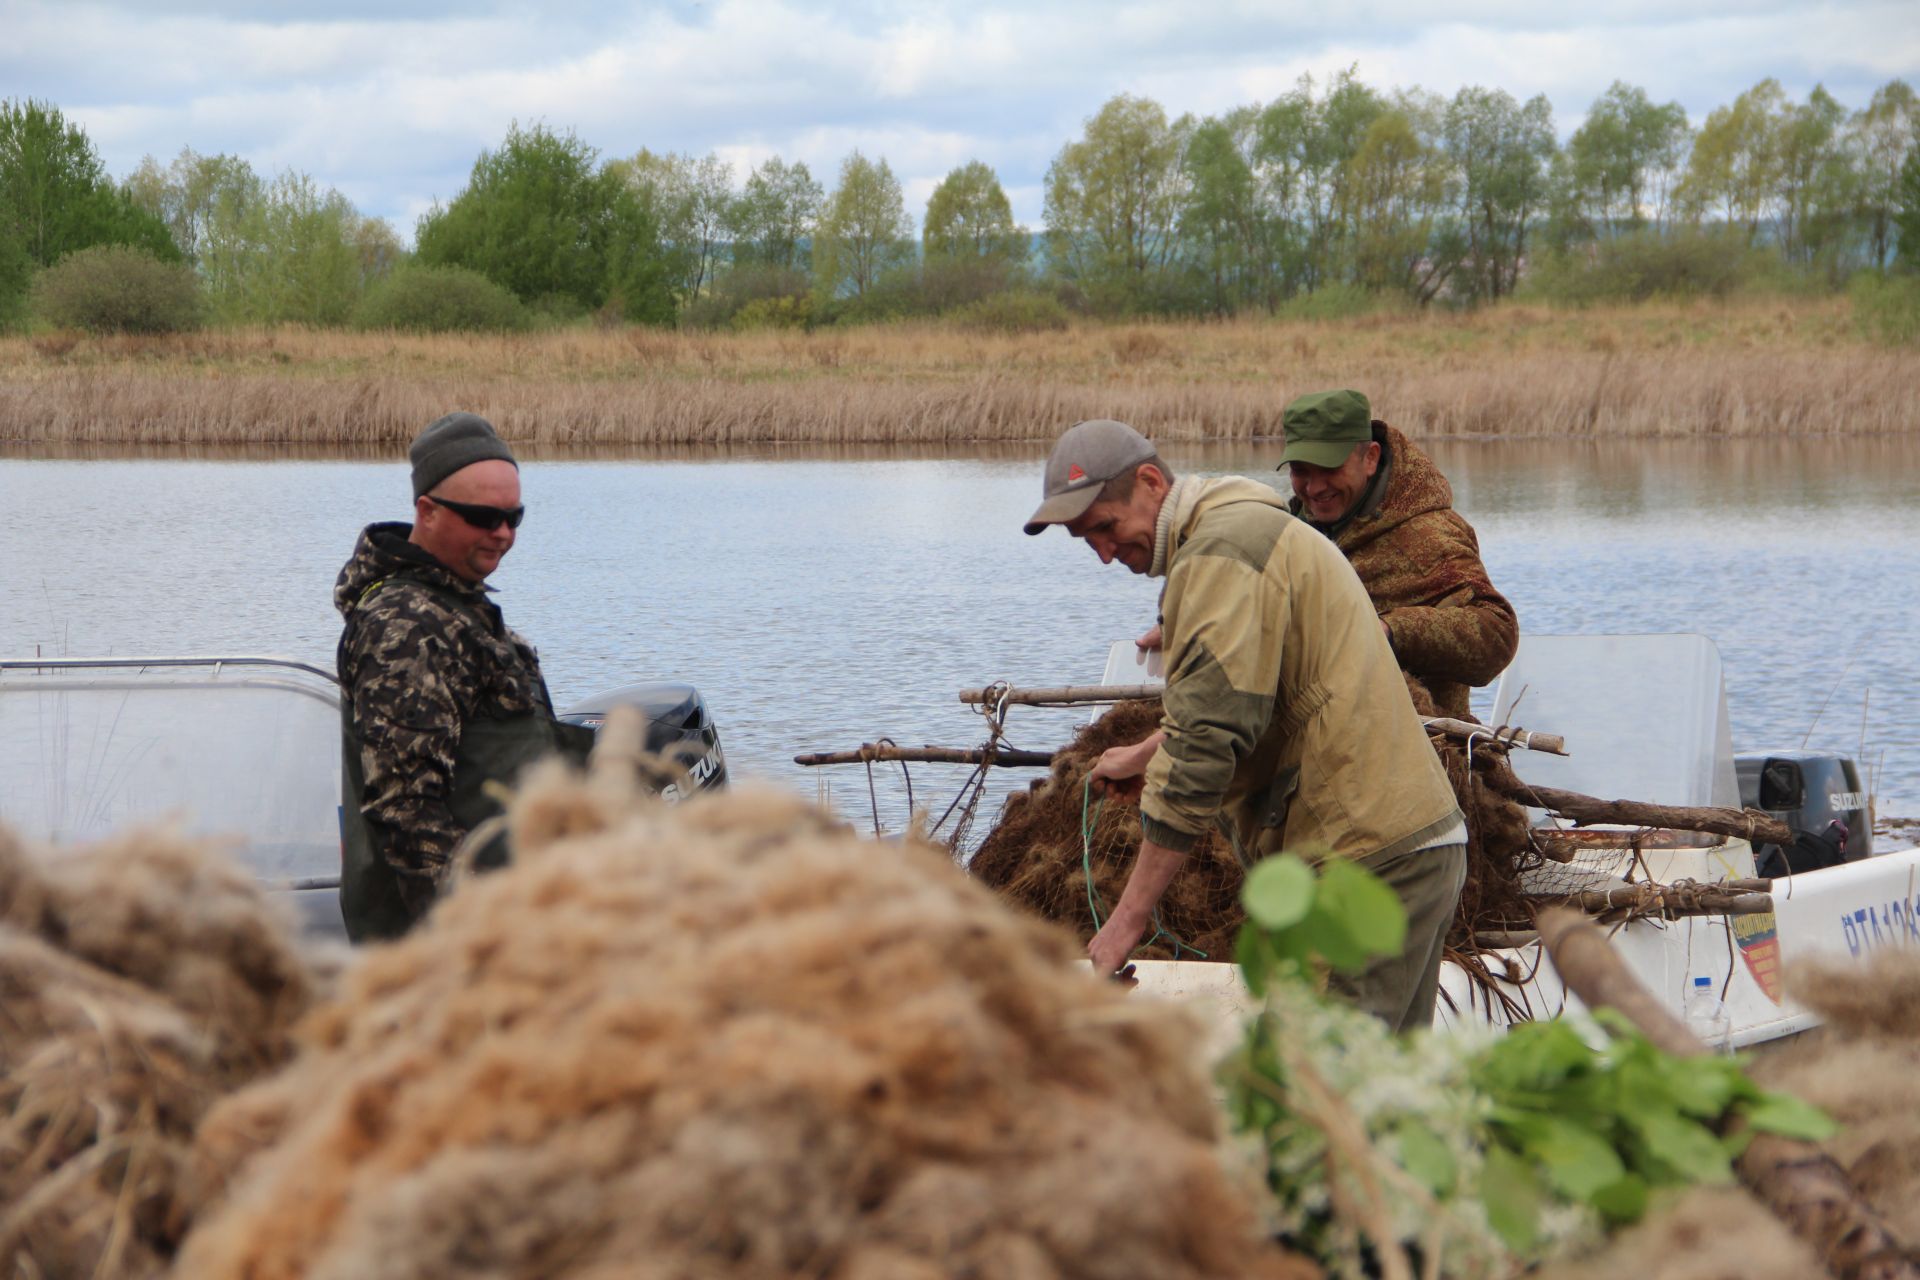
(824, 601)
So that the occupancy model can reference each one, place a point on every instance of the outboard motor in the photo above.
(678, 728)
(1819, 796)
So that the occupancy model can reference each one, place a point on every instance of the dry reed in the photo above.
(1752, 369)
(726, 1039)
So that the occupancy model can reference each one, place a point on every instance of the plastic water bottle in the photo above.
(1707, 1017)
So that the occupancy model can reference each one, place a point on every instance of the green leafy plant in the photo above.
(1606, 1127)
(1478, 1149)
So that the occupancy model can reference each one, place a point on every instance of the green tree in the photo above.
(1818, 186)
(864, 229)
(541, 218)
(56, 198)
(1303, 154)
(16, 277)
(1884, 136)
(1225, 223)
(1400, 187)
(773, 220)
(1906, 215)
(969, 216)
(1621, 163)
(1734, 167)
(306, 259)
(1502, 153)
(1113, 203)
(690, 198)
(268, 252)
(192, 194)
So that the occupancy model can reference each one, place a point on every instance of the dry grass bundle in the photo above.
(139, 982)
(1035, 858)
(1708, 1233)
(1863, 1067)
(725, 1039)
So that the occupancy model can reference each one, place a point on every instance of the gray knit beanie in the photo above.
(455, 441)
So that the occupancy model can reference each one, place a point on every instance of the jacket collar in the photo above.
(1190, 498)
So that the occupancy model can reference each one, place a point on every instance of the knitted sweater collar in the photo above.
(1178, 504)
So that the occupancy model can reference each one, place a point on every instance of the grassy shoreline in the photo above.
(1753, 369)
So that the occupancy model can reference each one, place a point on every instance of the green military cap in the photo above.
(1324, 426)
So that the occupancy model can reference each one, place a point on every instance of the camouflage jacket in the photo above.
(1420, 562)
(421, 656)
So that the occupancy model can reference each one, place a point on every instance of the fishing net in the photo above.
(726, 1039)
(140, 981)
(1064, 855)
(1037, 858)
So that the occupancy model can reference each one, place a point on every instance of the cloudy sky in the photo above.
(390, 100)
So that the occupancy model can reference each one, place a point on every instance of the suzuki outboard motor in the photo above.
(1819, 796)
(678, 728)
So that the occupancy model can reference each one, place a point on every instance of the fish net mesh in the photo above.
(1052, 853)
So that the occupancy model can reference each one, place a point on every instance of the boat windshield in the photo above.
(1645, 717)
(241, 748)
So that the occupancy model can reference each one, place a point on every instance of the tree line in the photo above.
(1334, 190)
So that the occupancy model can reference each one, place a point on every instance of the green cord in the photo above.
(1090, 818)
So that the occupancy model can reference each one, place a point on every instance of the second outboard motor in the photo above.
(679, 728)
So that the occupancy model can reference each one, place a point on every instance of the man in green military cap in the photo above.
(1387, 507)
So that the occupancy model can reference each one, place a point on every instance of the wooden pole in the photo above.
(873, 753)
(1072, 694)
(1658, 899)
(1748, 824)
(1064, 695)
(1800, 1183)
(1487, 736)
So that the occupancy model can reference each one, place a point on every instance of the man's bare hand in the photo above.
(1150, 640)
(1113, 944)
(1121, 771)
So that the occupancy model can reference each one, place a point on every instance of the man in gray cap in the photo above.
(439, 697)
(1284, 721)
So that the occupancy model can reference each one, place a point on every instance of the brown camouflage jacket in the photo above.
(420, 657)
(1420, 562)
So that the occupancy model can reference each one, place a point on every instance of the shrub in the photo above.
(424, 299)
(113, 288)
(774, 313)
(562, 310)
(1648, 264)
(739, 288)
(1335, 302)
(1887, 307)
(1015, 311)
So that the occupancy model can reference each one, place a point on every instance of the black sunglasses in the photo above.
(488, 518)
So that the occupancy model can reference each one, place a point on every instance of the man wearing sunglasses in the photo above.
(440, 697)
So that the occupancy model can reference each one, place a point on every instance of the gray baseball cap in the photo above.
(1087, 456)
